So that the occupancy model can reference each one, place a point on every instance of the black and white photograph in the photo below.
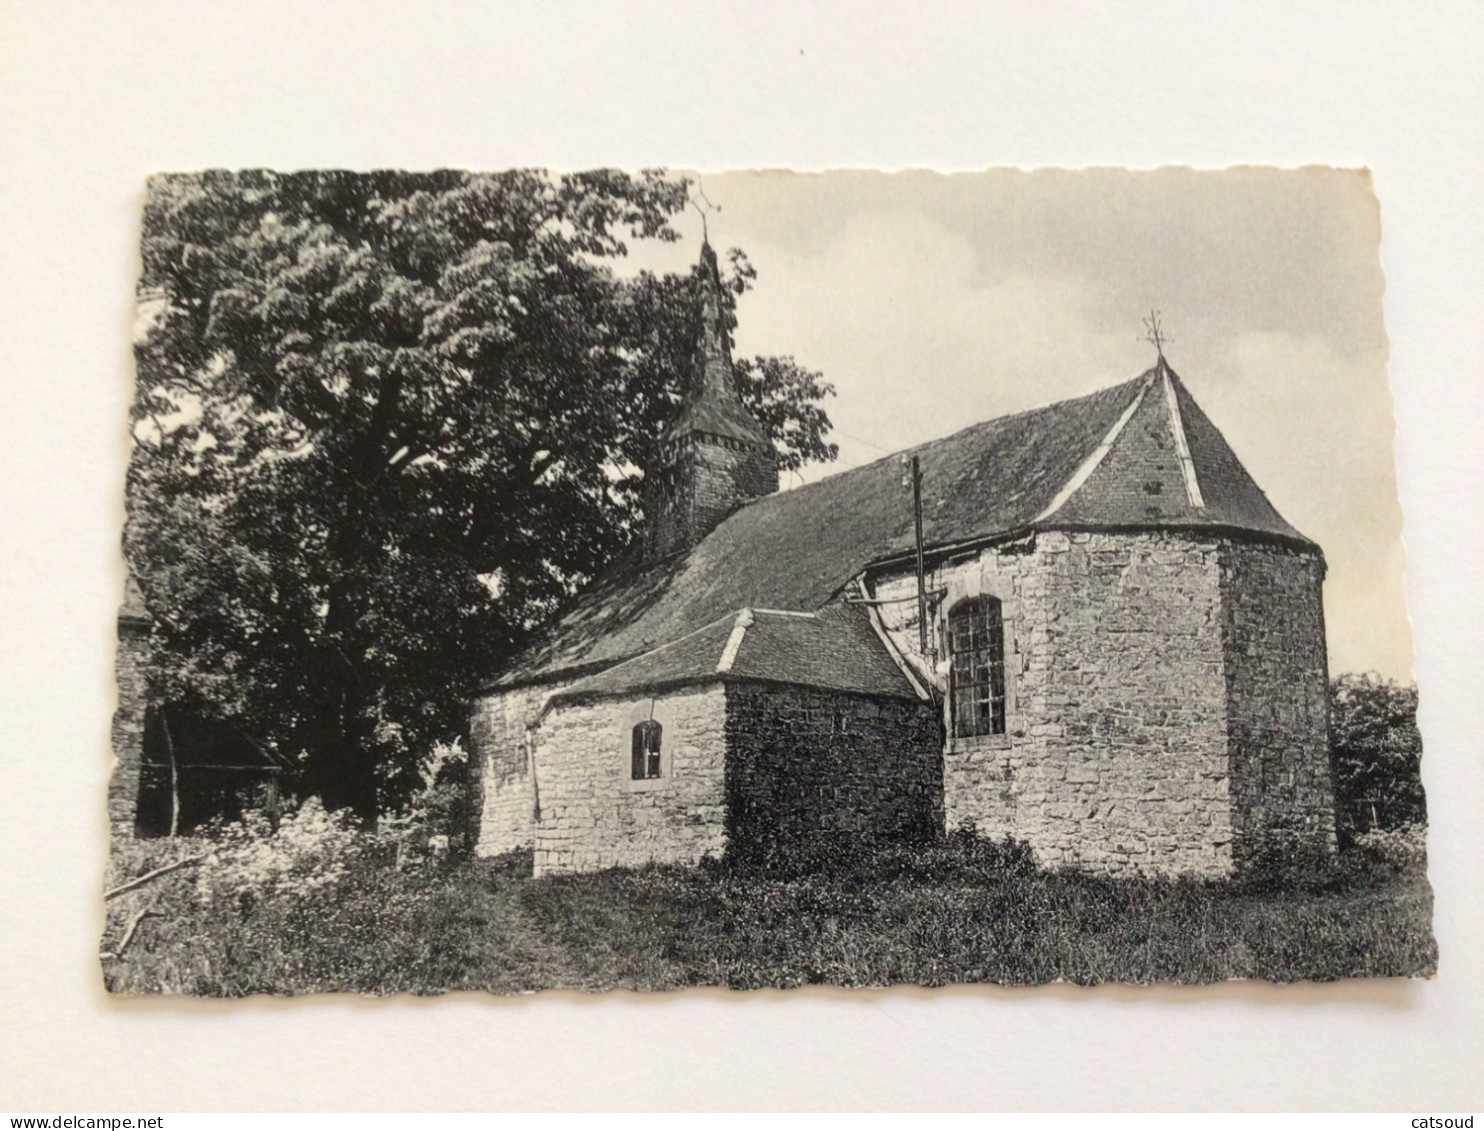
(684, 556)
(653, 579)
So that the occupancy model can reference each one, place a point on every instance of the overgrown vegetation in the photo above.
(1377, 755)
(385, 423)
(321, 905)
(965, 910)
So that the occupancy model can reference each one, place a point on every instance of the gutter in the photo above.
(1240, 533)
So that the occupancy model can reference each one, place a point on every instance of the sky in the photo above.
(933, 301)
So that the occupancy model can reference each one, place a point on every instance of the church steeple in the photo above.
(716, 456)
(711, 404)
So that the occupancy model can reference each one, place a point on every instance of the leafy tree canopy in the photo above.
(385, 423)
(1377, 753)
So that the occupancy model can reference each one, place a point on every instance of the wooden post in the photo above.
(922, 626)
(174, 776)
(273, 799)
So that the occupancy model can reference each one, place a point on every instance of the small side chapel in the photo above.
(1122, 660)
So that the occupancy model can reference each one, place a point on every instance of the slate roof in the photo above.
(1083, 463)
(1141, 481)
(719, 417)
(693, 656)
(711, 403)
(834, 649)
(1233, 498)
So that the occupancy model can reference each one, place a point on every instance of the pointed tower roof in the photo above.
(711, 402)
(1164, 463)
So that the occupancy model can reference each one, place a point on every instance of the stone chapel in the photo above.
(1125, 662)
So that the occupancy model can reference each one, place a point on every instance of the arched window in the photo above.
(976, 646)
(646, 750)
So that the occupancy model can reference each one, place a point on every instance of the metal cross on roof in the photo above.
(1154, 334)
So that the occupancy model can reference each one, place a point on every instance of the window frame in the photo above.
(996, 682)
(671, 734)
(650, 757)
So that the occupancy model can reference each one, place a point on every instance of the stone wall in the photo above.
(803, 762)
(1166, 714)
(498, 746)
(594, 815)
(1277, 700)
(1115, 756)
(128, 726)
(707, 478)
(1124, 763)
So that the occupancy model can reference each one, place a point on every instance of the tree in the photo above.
(385, 424)
(1377, 753)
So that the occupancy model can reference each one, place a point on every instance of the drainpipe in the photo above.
(531, 765)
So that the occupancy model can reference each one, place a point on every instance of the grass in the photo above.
(965, 911)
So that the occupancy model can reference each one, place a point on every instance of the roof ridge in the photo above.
(993, 481)
(925, 444)
(1034, 409)
(1095, 458)
(735, 613)
(878, 626)
(1224, 492)
(734, 642)
(1182, 442)
(746, 618)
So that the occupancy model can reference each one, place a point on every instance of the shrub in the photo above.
(1394, 851)
(131, 857)
(1295, 863)
(1377, 755)
(438, 819)
(309, 851)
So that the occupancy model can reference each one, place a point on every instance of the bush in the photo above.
(309, 851)
(1377, 752)
(438, 820)
(1298, 864)
(1395, 851)
(131, 857)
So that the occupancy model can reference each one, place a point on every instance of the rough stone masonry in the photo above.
(1166, 708)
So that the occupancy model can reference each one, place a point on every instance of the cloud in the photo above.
(934, 302)
(895, 311)
(1314, 427)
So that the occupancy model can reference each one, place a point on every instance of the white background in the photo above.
(95, 96)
